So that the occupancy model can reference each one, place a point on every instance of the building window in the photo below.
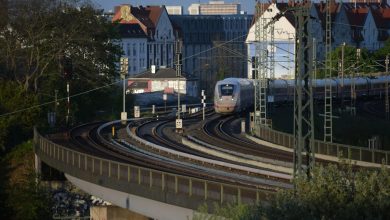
(134, 49)
(134, 64)
(128, 49)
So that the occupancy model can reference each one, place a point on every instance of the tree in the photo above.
(334, 192)
(41, 33)
(365, 63)
(24, 197)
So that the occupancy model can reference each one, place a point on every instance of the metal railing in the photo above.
(161, 186)
(329, 149)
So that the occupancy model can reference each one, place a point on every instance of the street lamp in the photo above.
(124, 65)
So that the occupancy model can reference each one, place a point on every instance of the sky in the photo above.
(246, 5)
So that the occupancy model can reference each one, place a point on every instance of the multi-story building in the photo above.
(362, 25)
(213, 46)
(174, 10)
(147, 36)
(214, 8)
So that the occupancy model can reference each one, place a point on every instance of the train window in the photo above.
(227, 89)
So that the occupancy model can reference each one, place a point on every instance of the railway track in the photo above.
(87, 138)
(235, 169)
(217, 132)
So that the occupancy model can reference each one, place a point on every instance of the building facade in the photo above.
(162, 80)
(362, 25)
(213, 46)
(214, 8)
(149, 38)
(174, 10)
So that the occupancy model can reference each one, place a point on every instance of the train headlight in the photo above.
(232, 99)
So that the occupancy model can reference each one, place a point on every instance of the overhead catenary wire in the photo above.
(188, 57)
(110, 84)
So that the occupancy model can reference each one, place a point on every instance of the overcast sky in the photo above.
(246, 5)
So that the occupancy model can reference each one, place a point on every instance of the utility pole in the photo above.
(260, 113)
(303, 93)
(314, 61)
(68, 73)
(179, 122)
(270, 99)
(55, 100)
(328, 108)
(387, 88)
(342, 75)
(353, 86)
(124, 65)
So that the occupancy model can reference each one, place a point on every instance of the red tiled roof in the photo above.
(321, 11)
(289, 15)
(256, 15)
(357, 17)
(147, 17)
(382, 21)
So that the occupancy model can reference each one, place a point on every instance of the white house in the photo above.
(284, 41)
(134, 44)
(147, 36)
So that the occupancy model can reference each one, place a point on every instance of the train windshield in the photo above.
(227, 89)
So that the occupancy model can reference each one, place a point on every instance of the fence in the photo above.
(330, 149)
(161, 186)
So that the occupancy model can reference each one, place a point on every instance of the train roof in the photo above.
(241, 81)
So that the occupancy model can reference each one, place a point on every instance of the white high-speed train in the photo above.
(237, 94)
(233, 95)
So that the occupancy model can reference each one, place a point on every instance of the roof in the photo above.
(356, 16)
(382, 20)
(257, 15)
(138, 85)
(131, 31)
(289, 15)
(147, 17)
(282, 6)
(321, 11)
(161, 73)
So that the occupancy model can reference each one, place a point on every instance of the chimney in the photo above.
(153, 69)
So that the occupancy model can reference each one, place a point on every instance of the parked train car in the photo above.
(235, 94)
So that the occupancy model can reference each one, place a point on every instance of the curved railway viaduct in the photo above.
(169, 195)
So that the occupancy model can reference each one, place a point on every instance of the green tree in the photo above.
(15, 128)
(40, 35)
(334, 192)
(24, 197)
(366, 62)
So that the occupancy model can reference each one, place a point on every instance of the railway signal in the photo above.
(184, 108)
(165, 101)
(136, 112)
(204, 103)
(68, 73)
(179, 121)
(124, 67)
